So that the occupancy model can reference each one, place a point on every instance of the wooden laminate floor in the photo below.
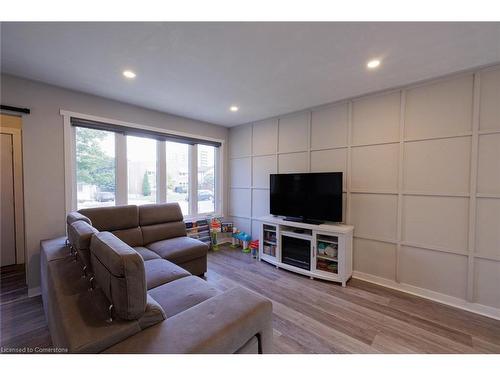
(22, 321)
(309, 316)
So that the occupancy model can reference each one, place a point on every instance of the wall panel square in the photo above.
(294, 133)
(437, 166)
(375, 168)
(374, 215)
(375, 119)
(488, 173)
(487, 281)
(375, 258)
(293, 163)
(490, 97)
(265, 137)
(330, 161)
(260, 202)
(240, 172)
(436, 221)
(488, 227)
(240, 202)
(434, 270)
(240, 141)
(244, 225)
(329, 127)
(263, 166)
(439, 109)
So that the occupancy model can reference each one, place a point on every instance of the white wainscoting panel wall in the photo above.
(421, 179)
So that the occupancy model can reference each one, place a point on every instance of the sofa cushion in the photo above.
(80, 233)
(112, 218)
(119, 271)
(179, 249)
(222, 324)
(181, 294)
(79, 236)
(131, 236)
(161, 271)
(75, 216)
(150, 214)
(163, 231)
(146, 254)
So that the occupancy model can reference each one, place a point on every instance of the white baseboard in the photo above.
(490, 312)
(33, 292)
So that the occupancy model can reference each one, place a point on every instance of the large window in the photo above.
(117, 165)
(177, 159)
(206, 179)
(95, 168)
(141, 170)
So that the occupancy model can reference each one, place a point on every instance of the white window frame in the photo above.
(121, 165)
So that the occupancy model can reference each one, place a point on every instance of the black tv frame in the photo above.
(304, 218)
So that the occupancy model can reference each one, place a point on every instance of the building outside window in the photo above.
(177, 158)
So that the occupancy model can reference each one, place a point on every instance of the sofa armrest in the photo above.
(222, 324)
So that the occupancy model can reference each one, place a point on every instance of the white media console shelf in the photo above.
(321, 251)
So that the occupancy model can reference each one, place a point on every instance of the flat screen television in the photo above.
(307, 197)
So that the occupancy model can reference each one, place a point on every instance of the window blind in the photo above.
(127, 130)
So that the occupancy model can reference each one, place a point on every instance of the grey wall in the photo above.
(422, 185)
(43, 150)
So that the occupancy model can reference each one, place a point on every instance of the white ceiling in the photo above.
(198, 70)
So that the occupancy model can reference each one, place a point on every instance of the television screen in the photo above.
(307, 196)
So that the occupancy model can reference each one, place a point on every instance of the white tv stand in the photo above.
(321, 251)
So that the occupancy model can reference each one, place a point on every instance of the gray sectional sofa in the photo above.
(123, 283)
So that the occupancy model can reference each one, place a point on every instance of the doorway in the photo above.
(11, 192)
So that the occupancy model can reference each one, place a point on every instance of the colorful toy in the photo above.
(218, 233)
(215, 224)
(241, 239)
(254, 245)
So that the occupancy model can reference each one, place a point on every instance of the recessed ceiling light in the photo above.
(233, 108)
(129, 74)
(372, 64)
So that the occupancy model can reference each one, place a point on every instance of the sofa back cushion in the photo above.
(159, 232)
(112, 218)
(159, 213)
(161, 221)
(131, 236)
(75, 216)
(119, 271)
(79, 234)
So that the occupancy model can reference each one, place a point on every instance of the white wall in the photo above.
(423, 221)
(43, 150)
